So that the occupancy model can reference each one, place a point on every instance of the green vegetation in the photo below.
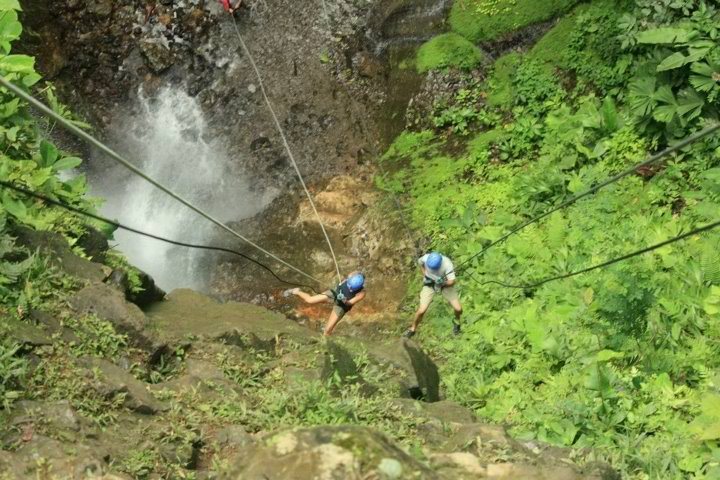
(445, 51)
(500, 83)
(27, 280)
(624, 360)
(483, 20)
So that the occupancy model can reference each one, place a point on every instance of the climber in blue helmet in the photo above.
(346, 295)
(438, 277)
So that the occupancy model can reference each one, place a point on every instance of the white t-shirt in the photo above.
(447, 269)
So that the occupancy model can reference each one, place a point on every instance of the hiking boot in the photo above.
(408, 333)
(456, 329)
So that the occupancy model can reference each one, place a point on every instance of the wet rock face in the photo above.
(100, 53)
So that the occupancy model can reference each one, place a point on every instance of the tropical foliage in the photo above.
(626, 359)
(28, 159)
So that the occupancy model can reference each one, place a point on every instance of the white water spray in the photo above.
(170, 141)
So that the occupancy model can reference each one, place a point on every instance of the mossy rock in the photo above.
(551, 46)
(500, 83)
(484, 20)
(329, 453)
(482, 142)
(447, 51)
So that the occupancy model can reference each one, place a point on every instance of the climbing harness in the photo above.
(118, 158)
(286, 144)
(115, 224)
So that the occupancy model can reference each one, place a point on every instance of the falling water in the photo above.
(170, 141)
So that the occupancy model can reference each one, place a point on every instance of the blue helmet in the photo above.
(356, 282)
(434, 261)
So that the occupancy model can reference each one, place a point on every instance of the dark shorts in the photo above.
(339, 311)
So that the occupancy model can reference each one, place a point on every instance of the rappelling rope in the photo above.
(115, 224)
(115, 156)
(607, 263)
(650, 161)
(281, 131)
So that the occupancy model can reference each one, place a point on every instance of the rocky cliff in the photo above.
(193, 388)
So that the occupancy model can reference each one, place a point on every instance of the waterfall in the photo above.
(169, 140)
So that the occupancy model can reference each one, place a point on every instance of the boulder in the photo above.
(94, 244)
(466, 466)
(53, 326)
(110, 381)
(26, 334)
(149, 293)
(445, 411)
(110, 304)
(184, 454)
(58, 250)
(490, 438)
(435, 421)
(458, 465)
(419, 378)
(196, 376)
(44, 457)
(491, 442)
(368, 65)
(157, 55)
(56, 416)
(328, 453)
(233, 436)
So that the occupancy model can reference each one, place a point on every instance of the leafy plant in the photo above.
(13, 369)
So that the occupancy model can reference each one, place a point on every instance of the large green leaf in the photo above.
(706, 76)
(10, 29)
(642, 92)
(667, 106)
(48, 153)
(8, 109)
(676, 60)
(664, 35)
(712, 301)
(17, 64)
(707, 425)
(31, 79)
(690, 104)
(14, 207)
(66, 163)
(10, 5)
